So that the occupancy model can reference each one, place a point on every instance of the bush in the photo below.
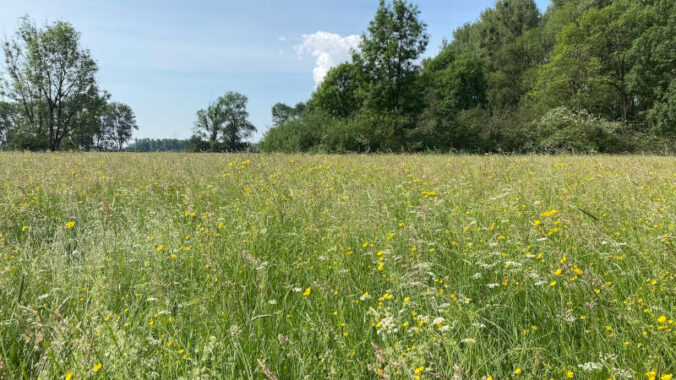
(299, 135)
(561, 129)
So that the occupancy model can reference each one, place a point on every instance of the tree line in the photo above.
(49, 97)
(584, 76)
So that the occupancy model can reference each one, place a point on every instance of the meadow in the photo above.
(324, 266)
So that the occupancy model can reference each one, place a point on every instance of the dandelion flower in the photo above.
(70, 224)
(97, 367)
(517, 371)
(306, 292)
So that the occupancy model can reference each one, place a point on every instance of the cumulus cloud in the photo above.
(329, 49)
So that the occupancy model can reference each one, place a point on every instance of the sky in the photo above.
(167, 59)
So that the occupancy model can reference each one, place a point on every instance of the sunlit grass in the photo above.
(399, 266)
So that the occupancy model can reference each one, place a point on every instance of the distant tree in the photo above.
(283, 113)
(52, 79)
(225, 123)
(158, 145)
(117, 125)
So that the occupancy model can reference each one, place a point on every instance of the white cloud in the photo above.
(330, 49)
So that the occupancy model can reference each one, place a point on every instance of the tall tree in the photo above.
(389, 54)
(224, 123)
(53, 79)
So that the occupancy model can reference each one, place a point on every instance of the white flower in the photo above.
(590, 366)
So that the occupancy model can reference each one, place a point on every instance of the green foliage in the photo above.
(281, 113)
(561, 129)
(606, 68)
(117, 125)
(223, 125)
(298, 135)
(159, 145)
(52, 93)
(342, 91)
(396, 38)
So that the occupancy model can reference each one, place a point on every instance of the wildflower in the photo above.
(569, 374)
(70, 224)
(558, 272)
(97, 367)
(553, 283)
(517, 371)
(418, 370)
(306, 292)
(160, 248)
(24, 228)
(666, 377)
(406, 299)
(69, 374)
(662, 319)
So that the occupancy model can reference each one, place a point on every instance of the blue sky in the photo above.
(167, 59)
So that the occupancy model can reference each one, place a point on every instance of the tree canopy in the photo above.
(224, 125)
(606, 68)
(52, 98)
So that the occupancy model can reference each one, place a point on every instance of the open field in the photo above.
(309, 266)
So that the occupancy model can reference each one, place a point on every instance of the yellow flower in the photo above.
(662, 319)
(651, 375)
(24, 228)
(569, 374)
(517, 371)
(70, 224)
(418, 370)
(160, 248)
(306, 292)
(552, 283)
(69, 374)
(97, 367)
(666, 377)
(558, 272)
(406, 299)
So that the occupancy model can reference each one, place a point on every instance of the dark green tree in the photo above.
(341, 92)
(389, 54)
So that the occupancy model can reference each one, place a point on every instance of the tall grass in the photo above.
(311, 266)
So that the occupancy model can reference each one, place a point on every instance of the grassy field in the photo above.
(309, 266)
